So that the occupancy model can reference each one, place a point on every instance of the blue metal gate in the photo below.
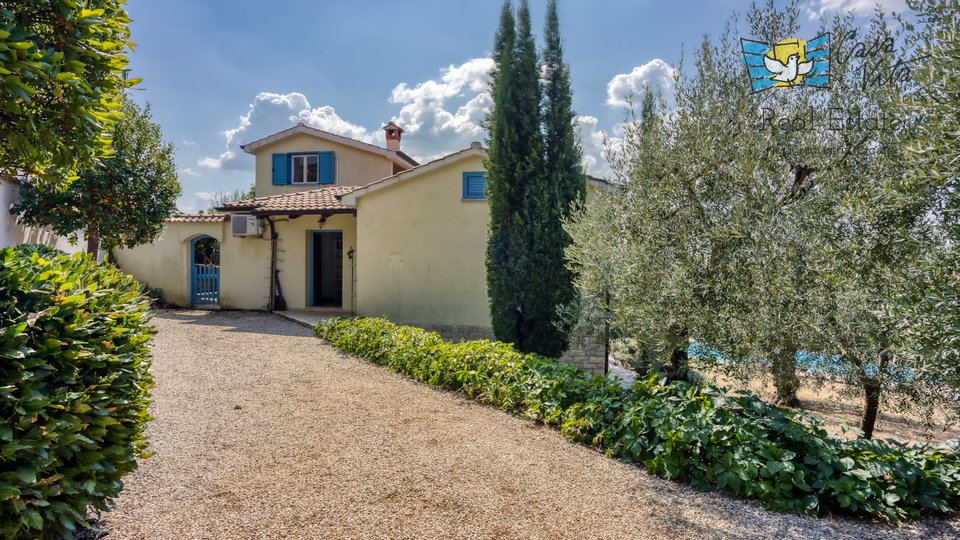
(205, 272)
(206, 284)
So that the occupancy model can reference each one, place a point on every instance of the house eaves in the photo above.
(601, 183)
(325, 200)
(397, 157)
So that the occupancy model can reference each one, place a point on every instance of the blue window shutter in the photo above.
(474, 185)
(281, 173)
(325, 168)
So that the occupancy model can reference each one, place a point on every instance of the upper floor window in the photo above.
(474, 185)
(304, 169)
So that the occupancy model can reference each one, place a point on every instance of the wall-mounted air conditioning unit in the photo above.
(245, 225)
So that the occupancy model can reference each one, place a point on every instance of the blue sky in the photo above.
(218, 73)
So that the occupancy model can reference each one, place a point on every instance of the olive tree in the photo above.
(765, 224)
(934, 151)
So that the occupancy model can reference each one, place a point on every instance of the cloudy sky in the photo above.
(218, 74)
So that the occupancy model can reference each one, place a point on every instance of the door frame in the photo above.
(311, 236)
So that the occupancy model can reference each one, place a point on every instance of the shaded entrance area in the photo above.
(325, 276)
(204, 271)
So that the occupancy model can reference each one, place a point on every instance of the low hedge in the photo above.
(74, 386)
(738, 444)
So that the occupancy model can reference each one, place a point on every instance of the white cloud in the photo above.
(445, 114)
(200, 200)
(270, 113)
(438, 115)
(594, 144)
(189, 143)
(189, 172)
(326, 118)
(208, 196)
(816, 8)
(656, 74)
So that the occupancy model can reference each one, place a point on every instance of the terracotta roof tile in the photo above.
(198, 218)
(313, 201)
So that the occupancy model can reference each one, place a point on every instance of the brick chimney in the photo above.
(393, 133)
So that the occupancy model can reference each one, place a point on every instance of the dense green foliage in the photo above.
(935, 152)
(533, 176)
(74, 386)
(738, 444)
(62, 70)
(564, 175)
(762, 224)
(120, 202)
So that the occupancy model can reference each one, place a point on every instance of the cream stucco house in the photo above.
(341, 225)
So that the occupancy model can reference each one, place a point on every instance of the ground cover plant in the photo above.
(740, 444)
(74, 387)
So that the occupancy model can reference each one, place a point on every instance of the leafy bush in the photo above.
(73, 388)
(739, 444)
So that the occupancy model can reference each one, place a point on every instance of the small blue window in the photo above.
(474, 185)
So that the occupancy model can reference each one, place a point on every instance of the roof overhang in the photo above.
(395, 156)
(600, 182)
(198, 219)
(292, 213)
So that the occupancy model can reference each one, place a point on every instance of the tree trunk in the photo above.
(93, 231)
(93, 242)
(518, 331)
(678, 366)
(871, 392)
(785, 376)
(871, 406)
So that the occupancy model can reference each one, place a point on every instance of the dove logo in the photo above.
(787, 63)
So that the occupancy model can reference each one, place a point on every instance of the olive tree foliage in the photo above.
(761, 225)
(224, 197)
(935, 156)
(62, 71)
(123, 200)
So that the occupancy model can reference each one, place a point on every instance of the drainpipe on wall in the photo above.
(273, 265)
(353, 280)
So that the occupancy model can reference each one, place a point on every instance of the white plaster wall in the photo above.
(12, 233)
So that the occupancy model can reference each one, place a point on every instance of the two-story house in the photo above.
(338, 225)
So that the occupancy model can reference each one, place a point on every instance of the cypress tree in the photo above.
(514, 174)
(566, 184)
(503, 194)
(534, 318)
(526, 275)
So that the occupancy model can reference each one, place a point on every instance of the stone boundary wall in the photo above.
(586, 352)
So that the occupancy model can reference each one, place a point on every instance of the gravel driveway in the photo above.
(261, 431)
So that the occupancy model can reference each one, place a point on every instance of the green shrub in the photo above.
(739, 444)
(73, 388)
